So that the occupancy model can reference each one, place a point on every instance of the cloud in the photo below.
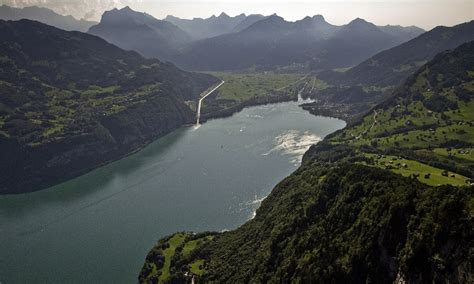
(87, 9)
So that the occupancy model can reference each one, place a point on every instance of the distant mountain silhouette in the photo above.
(391, 67)
(353, 43)
(247, 22)
(403, 33)
(45, 16)
(141, 32)
(213, 26)
(273, 41)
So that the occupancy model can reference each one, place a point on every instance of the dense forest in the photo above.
(336, 223)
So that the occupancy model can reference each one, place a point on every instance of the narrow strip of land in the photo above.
(198, 114)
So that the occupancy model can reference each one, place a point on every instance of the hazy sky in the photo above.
(423, 13)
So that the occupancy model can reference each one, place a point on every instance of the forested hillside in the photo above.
(70, 101)
(387, 199)
(428, 122)
(333, 223)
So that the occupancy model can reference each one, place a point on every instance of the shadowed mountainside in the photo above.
(46, 16)
(273, 42)
(70, 102)
(214, 26)
(391, 67)
(140, 32)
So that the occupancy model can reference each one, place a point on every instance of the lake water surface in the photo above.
(100, 226)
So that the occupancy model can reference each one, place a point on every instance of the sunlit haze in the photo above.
(423, 13)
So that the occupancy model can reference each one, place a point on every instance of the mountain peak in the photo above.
(223, 15)
(171, 17)
(126, 9)
(314, 19)
(270, 23)
(319, 18)
(274, 19)
(359, 22)
(274, 16)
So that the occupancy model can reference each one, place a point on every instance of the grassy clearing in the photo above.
(190, 246)
(168, 253)
(181, 245)
(443, 137)
(461, 153)
(197, 267)
(425, 173)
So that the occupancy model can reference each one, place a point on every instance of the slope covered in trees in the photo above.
(334, 223)
(429, 119)
(367, 205)
(70, 101)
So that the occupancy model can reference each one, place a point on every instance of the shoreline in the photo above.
(225, 113)
(228, 112)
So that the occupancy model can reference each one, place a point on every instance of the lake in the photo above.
(100, 226)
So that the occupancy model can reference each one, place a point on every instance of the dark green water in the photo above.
(99, 227)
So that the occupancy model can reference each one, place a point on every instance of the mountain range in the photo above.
(352, 92)
(274, 42)
(232, 43)
(46, 16)
(70, 101)
(392, 66)
(213, 26)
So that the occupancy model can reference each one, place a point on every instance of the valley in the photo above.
(242, 148)
(249, 89)
(361, 193)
